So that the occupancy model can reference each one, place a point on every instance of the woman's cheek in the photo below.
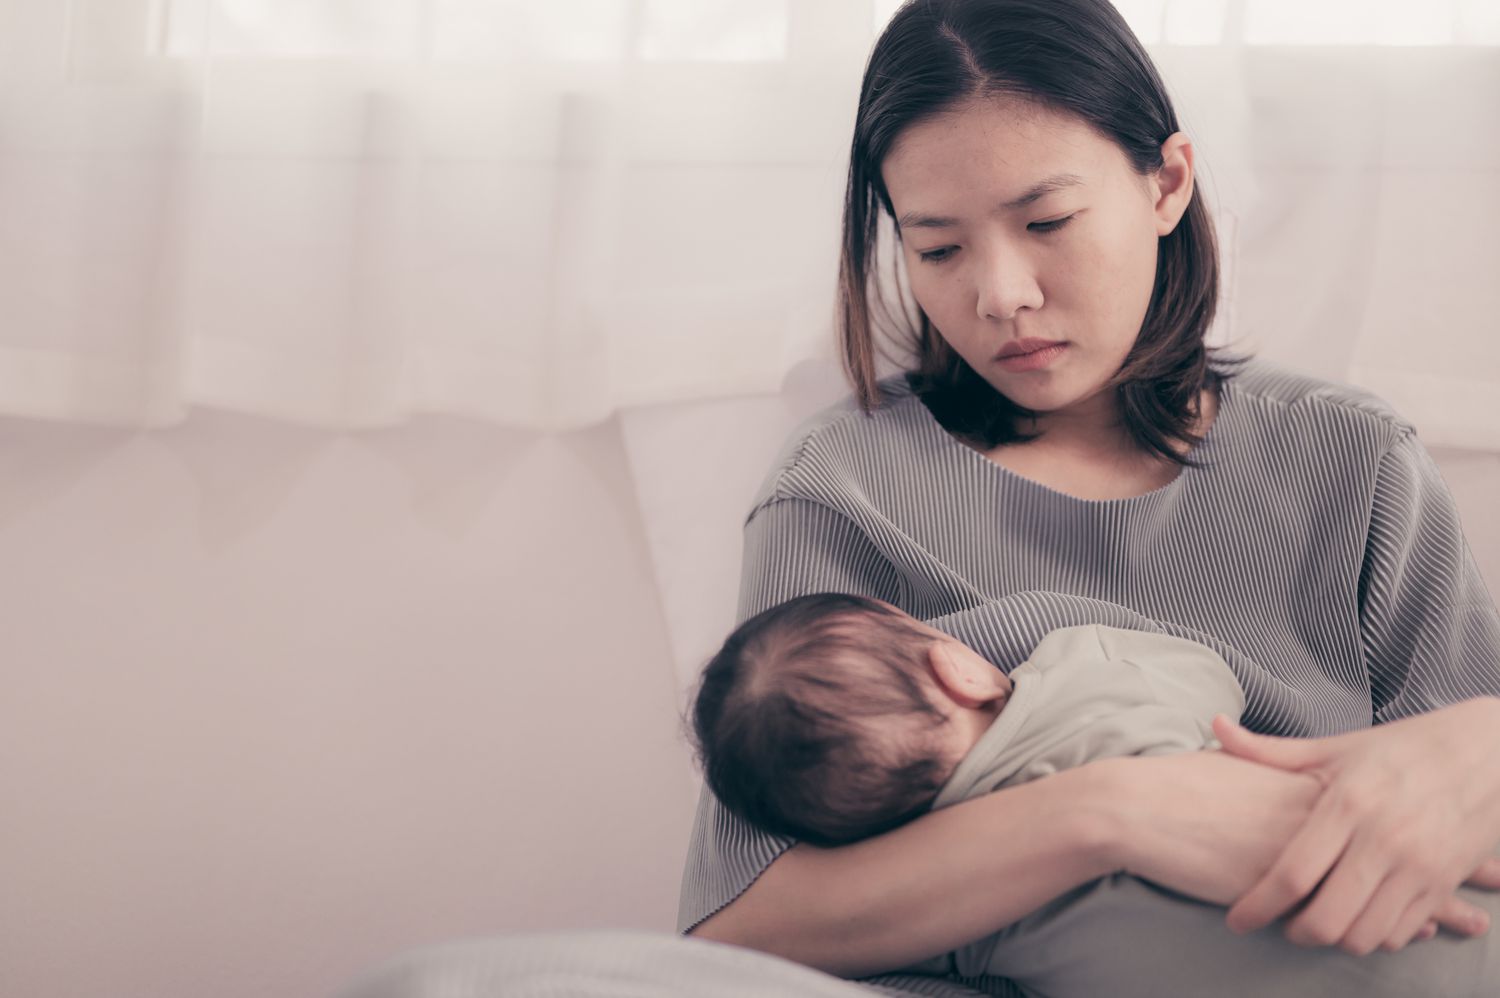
(933, 297)
(1111, 277)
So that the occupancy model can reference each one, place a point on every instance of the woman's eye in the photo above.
(943, 253)
(1051, 226)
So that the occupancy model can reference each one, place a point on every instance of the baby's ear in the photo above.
(966, 677)
(953, 677)
(948, 672)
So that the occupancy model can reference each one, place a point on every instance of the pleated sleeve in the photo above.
(1429, 629)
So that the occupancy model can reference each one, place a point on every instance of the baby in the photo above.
(831, 718)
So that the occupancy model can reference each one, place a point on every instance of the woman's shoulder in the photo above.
(831, 451)
(1279, 400)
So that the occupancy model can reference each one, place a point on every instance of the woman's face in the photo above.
(1031, 243)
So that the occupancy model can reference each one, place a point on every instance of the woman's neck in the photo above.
(1091, 426)
(1087, 452)
(1096, 426)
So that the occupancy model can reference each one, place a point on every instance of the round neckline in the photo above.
(1199, 451)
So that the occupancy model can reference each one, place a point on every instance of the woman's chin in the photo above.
(1038, 398)
(1048, 399)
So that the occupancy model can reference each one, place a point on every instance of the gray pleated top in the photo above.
(1317, 550)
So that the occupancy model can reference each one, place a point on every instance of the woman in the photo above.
(1065, 436)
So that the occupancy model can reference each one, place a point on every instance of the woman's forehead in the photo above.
(1014, 152)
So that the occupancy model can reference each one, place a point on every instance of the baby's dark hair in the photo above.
(793, 720)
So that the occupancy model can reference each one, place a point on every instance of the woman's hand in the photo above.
(1407, 811)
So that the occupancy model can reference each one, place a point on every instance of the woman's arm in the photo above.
(929, 886)
(1411, 807)
(1201, 823)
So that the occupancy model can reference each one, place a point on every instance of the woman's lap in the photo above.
(1124, 937)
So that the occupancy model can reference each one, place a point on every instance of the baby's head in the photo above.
(831, 718)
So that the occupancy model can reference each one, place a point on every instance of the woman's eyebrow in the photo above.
(1037, 191)
(1056, 182)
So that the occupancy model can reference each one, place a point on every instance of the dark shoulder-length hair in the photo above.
(1077, 57)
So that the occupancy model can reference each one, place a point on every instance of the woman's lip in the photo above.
(1026, 344)
(1034, 359)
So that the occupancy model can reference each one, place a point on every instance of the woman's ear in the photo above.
(968, 679)
(1172, 185)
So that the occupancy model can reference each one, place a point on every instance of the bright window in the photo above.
(475, 30)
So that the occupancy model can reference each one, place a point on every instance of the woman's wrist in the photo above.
(1110, 824)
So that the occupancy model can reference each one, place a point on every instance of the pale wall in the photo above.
(281, 702)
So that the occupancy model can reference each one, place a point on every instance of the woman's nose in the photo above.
(1007, 284)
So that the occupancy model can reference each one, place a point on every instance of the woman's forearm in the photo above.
(1204, 823)
(933, 885)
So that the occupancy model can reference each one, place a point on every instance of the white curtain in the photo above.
(344, 212)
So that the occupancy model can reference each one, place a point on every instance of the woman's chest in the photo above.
(1276, 577)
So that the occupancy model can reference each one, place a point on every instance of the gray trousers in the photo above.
(1123, 937)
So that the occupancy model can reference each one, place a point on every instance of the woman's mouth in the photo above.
(1029, 354)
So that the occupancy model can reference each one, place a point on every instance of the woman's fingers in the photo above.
(1297, 872)
(1413, 926)
(1381, 916)
(1360, 885)
(1486, 875)
(1455, 914)
(1462, 918)
(1269, 750)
